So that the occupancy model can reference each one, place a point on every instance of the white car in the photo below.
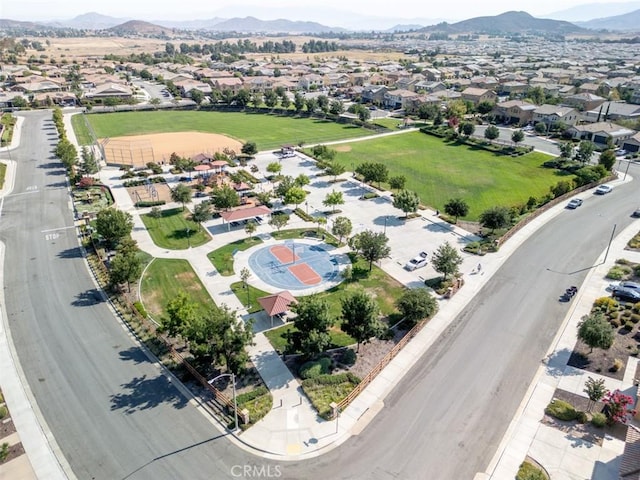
(603, 189)
(417, 262)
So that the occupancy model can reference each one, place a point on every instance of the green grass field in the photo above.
(170, 230)
(254, 295)
(439, 171)
(222, 258)
(268, 131)
(164, 279)
(81, 130)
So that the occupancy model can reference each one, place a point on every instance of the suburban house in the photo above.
(584, 101)
(109, 90)
(601, 133)
(374, 94)
(7, 98)
(612, 111)
(311, 81)
(258, 84)
(478, 95)
(395, 99)
(187, 85)
(513, 88)
(514, 112)
(234, 84)
(632, 144)
(430, 87)
(550, 114)
(63, 99)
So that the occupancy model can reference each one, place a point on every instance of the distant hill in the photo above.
(252, 24)
(590, 11)
(138, 27)
(93, 21)
(508, 22)
(404, 28)
(6, 23)
(627, 22)
(203, 24)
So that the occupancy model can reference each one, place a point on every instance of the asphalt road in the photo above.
(115, 416)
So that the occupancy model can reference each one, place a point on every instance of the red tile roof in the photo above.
(277, 303)
(242, 213)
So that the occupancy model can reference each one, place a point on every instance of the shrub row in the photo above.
(252, 395)
(139, 183)
(331, 379)
(148, 203)
(303, 215)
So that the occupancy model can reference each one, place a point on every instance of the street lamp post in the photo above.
(235, 403)
(306, 204)
(384, 232)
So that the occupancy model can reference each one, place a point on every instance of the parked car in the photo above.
(636, 212)
(574, 203)
(603, 189)
(621, 152)
(626, 294)
(417, 262)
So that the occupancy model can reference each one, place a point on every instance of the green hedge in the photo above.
(141, 310)
(315, 368)
(331, 379)
(303, 215)
(139, 183)
(252, 395)
(145, 204)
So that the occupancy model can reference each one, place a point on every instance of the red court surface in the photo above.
(305, 274)
(284, 254)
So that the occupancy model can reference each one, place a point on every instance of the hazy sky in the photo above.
(190, 9)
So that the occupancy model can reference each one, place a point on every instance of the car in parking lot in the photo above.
(417, 262)
(574, 203)
(603, 189)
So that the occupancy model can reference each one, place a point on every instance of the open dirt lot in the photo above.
(138, 150)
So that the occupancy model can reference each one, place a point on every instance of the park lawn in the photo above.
(439, 171)
(305, 233)
(170, 230)
(3, 173)
(164, 279)
(390, 123)
(254, 295)
(222, 258)
(269, 131)
(81, 130)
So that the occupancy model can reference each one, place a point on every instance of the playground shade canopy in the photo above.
(277, 303)
(242, 213)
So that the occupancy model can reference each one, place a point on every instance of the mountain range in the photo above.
(508, 22)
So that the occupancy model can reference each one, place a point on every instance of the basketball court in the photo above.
(301, 266)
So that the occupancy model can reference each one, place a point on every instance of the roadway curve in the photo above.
(114, 415)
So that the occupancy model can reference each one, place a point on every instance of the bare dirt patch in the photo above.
(142, 194)
(138, 150)
(343, 148)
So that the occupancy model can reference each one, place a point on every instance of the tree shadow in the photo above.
(57, 185)
(133, 354)
(50, 165)
(142, 393)
(69, 253)
(558, 361)
(89, 298)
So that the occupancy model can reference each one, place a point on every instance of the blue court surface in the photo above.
(291, 265)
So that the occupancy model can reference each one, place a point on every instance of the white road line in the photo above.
(54, 229)
(21, 193)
